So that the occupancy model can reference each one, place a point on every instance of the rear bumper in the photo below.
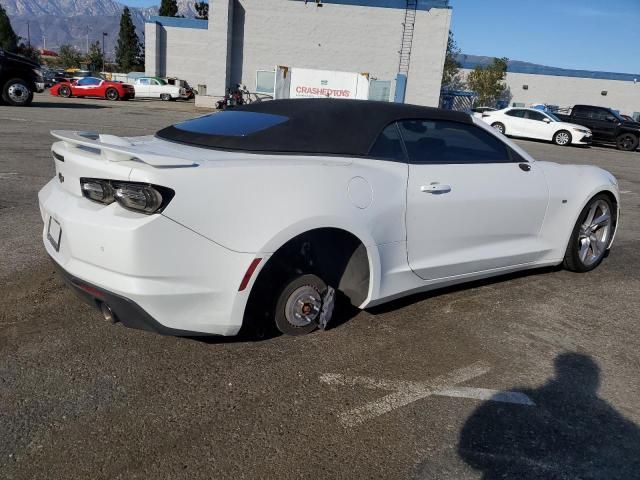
(127, 312)
(154, 273)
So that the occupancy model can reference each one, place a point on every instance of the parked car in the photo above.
(532, 123)
(256, 215)
(19, 79)
(154, 87)
(606, 124)
(478, 111)
(93, 87)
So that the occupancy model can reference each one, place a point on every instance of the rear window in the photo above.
(231, 123)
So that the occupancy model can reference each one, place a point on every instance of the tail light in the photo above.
(135, 196)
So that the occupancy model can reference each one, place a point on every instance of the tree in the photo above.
(30, 52)
(8, 38)
(128, 47)
(202, 9)
(451, 66)
(94, 57)
(488, 82)
(69, 56)
(168, 8)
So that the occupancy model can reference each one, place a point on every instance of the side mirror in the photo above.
(611, 118)
(546, 120)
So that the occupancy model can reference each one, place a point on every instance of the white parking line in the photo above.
(406, 392)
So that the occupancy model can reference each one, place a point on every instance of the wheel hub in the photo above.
(303, 306)
(18, 92)
(594, 233)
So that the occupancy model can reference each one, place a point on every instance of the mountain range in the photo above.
(52, 23)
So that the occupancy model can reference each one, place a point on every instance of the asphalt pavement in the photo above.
(528, 376)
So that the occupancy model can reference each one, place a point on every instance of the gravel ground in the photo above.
(396, 392)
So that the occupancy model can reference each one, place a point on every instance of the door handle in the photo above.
(435, 188)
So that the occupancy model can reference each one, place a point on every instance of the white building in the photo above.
(398, 46)
(535, 84)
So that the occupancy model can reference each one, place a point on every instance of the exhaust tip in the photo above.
(107, 313)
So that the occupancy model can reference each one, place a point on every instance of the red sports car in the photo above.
(94, 87)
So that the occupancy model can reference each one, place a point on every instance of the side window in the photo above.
(516, 113)
(388, 145)
(531, 115)
(601, 114)
(439, 141)
(580, 112)
(154, 82)
(144, 81)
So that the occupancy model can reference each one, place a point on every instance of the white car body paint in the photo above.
(535, 129)
(184, 266)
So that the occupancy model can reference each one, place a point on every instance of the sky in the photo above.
(599, 35)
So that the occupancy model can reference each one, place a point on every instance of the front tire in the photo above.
(562, 138)
(112, 94)
(499, 126)
(300, 305)
(16, 92)
(627, 142)
(591, 235)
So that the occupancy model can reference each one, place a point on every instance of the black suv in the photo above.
(606, 125)
(19, 78)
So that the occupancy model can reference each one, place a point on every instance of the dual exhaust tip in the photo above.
(108, 314)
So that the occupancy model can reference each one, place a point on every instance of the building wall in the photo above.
(176, 52)
(338, 37)
(568, 91)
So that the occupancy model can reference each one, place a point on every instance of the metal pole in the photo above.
(28, 35)
(103, 35)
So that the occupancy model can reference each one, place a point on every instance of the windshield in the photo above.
(161, 82)
(553, 117)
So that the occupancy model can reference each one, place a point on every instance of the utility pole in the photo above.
(28, 35)
(87, 39)
(104, 34)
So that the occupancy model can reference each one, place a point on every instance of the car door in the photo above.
(536, 127)
(155, 88)
(142, 88)
(514, 122)
(86, 87)
(604, 124)
(473, 205)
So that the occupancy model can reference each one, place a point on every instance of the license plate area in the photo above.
(54, 233)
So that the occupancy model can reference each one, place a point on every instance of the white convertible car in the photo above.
(267, 214)
(536, 124)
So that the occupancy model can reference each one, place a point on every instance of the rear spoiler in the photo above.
(117, 149)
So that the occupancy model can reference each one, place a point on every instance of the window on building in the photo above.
(265, 82)
(439, 141)
(388, 146)
(380, 90)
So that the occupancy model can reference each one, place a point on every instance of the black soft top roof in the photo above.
(313, 126)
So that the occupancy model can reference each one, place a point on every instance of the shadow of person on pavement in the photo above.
(570, 433)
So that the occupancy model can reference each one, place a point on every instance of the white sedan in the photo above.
(536, 124)
(273, 213)
(154, 87)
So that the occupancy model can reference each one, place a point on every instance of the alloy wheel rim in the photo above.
(111, 94)
(626, 141)
(18, 92)
(303, 306)
(562, 138)
(594, 233)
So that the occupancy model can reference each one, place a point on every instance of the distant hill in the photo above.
(59, 22)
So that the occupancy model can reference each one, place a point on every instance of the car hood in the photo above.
(628, 124)
(573, 125)
(20, 59)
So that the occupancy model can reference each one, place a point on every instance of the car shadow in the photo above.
(569, 433)
(39, 104)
